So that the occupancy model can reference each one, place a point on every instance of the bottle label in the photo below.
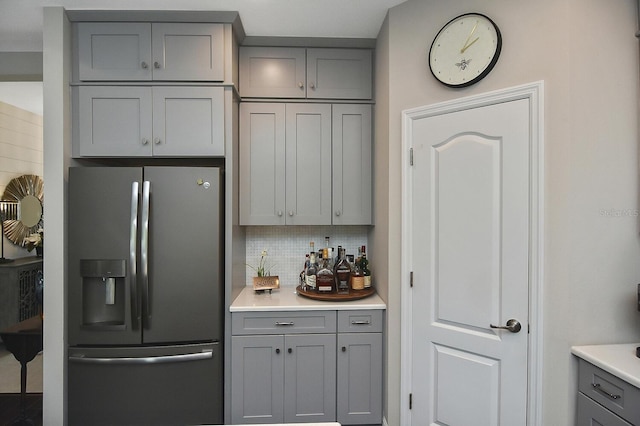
(357, 282)
(310, 280)
(367, 281)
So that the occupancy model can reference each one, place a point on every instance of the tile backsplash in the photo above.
(287, 246)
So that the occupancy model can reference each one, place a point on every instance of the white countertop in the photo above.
(619, 360)
(286, 299)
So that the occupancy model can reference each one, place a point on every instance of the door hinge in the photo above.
(410, 401)
(411, 156)
(411, 279)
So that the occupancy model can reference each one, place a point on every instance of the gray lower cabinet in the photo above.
(301, 367)
(133, 121)
(605, 399)
(359, 391)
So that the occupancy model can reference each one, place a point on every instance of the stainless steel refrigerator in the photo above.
(145, 295)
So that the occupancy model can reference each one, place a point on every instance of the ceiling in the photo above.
(21, 20)
(21, 25)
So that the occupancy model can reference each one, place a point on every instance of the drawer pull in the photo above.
(597, 387)
(283, 324)
(366, 322)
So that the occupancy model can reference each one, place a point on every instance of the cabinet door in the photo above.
(188, 121)
(359, 390)
(257, 379)
(114, 51)
(272, 72)
(262, 168)
(308, 164)
(187, 51)
(114, 121)
(351, 164)
(590, 413)
(339, 73)
(310, 378)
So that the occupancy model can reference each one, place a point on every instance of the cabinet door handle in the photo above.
(290, 212)
(144, 65)
(597, 387)
(145, 141)
(337, 212)
(282, 324)
(280, 213)
(157, 141)
(290, 350)
(277, 350)
(156, 65)
(344, 349)
(312, 85)
(301, 85)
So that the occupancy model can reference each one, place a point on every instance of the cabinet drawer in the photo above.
(283, 322)
(591, 413)
(613, 393)
(360, 321)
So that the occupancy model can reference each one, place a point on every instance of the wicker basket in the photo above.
(266, 283)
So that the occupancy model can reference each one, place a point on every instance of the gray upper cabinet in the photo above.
(351, 150)
(313, 73)
(119, 121)
(146, 51)
(339, 74)
(285, 158)
(305, 164)
(272, 72)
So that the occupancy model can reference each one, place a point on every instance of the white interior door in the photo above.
(469, 254)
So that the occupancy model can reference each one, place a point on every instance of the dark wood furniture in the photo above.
(17, 290)
(24, 341)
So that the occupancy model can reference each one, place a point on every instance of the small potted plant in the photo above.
(35, 241)
(264, 280)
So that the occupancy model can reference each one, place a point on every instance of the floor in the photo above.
(10, 388)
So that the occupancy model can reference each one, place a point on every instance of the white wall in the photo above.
(587, 55)
(57, 151)
(20, 154)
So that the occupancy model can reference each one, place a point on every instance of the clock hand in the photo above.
(473, 30)
(468, 45)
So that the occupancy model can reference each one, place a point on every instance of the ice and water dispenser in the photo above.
(103, 292)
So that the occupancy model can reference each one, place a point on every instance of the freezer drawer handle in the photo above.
(205, 354)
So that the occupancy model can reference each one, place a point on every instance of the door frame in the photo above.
(534, 93)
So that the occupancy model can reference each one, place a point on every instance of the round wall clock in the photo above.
(465, 50)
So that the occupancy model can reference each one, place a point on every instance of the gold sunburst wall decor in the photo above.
(27, 192)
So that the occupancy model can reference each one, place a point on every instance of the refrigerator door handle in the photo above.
(144, 249)
(133, 249)
(197, 356)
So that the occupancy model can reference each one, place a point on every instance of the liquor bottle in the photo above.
(357, 278)
(311, 275)
(324, 277)
(303, 273)
(342, 272)
(364, 264)
(329, 251)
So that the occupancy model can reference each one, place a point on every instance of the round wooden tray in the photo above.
(335, 297)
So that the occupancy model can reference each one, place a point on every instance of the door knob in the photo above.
(513, 326)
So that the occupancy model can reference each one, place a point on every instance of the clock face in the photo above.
(465, 50)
